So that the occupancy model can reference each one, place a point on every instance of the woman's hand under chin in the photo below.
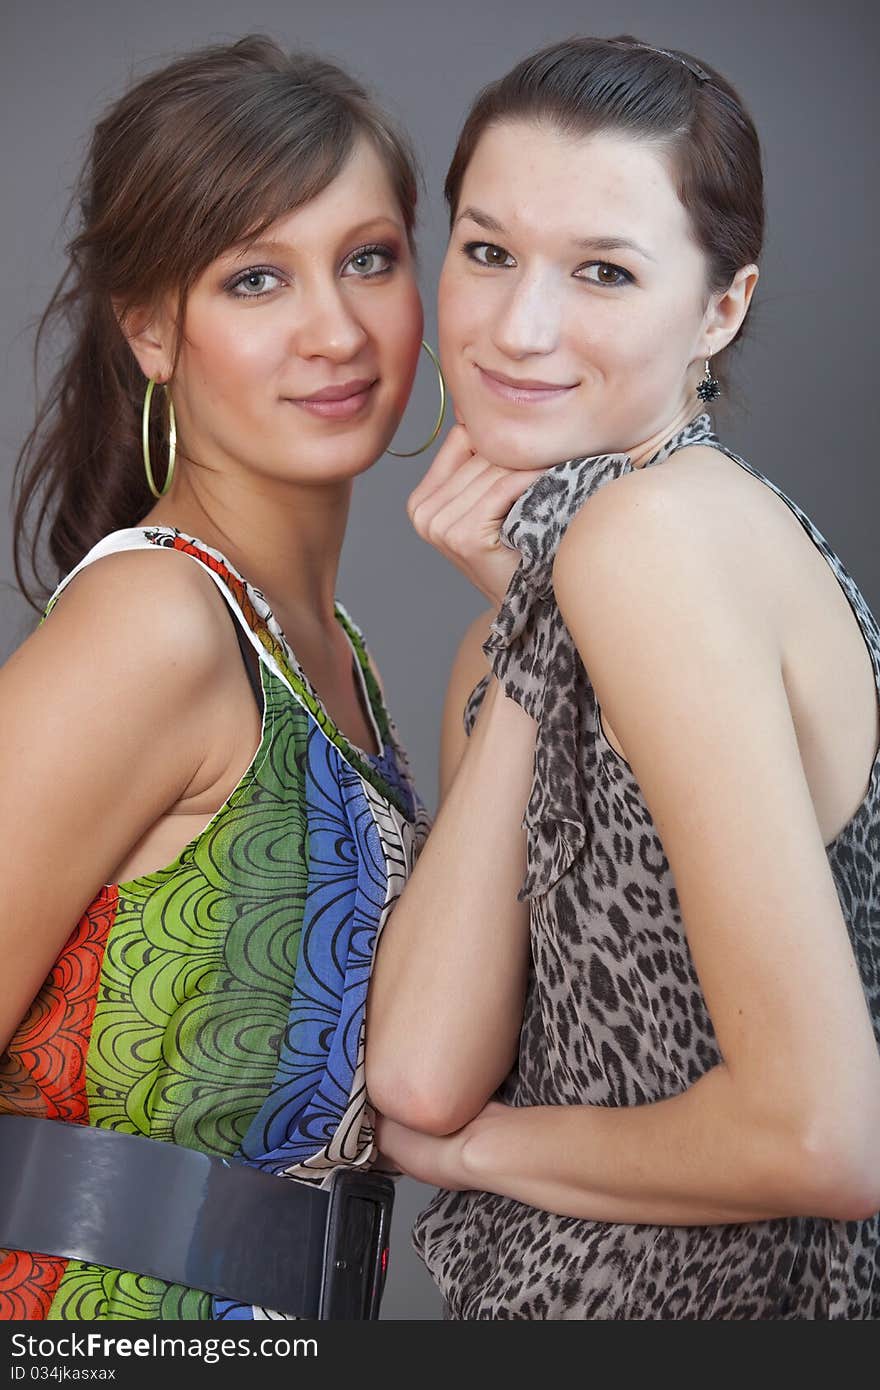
(459, 507)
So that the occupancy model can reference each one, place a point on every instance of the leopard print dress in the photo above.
(614, 1012)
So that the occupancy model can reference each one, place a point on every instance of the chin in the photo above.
(337, 461)
(510, 446)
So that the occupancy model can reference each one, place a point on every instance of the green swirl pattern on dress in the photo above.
(304, 692)
(195, 991)
(377, 703)
(95, 1294)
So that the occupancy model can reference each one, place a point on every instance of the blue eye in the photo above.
(370, 261)
(252, 284)
(606, 274)
(488, 254)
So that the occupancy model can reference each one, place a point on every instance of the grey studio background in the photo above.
(805, 411)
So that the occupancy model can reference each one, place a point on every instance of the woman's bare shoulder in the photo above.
(148, 599)
(695, 515)
(135, 631)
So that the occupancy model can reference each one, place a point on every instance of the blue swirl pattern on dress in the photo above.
(347, 888)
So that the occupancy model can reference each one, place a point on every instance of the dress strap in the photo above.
(250, 665)
(142, 538)
(261, 629)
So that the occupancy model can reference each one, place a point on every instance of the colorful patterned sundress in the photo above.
(218, 1003)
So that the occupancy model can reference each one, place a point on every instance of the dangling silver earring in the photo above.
(708, 387)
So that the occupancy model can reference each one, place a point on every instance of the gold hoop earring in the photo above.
(411, 453)
(145, 440)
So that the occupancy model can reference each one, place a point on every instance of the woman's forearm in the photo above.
(447, 990)
(693, 1159)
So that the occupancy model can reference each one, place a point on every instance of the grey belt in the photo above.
(189, 1218)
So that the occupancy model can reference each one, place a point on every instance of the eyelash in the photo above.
(245, 275)
(471, 247)
(386, 251)
(254, 270)
(626, 278)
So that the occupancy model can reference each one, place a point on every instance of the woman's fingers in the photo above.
(479, 490)
(510, 486)
(459, 507)
(445, 509)
(452, 455)
(463, 519)
(458, 493)
(478, 509)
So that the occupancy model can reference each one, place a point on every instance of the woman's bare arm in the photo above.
(446, 996)
(106, 716)
(468, 669)
(680, 644)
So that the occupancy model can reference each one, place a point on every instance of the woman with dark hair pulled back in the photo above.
(641, 950)
(207, 812)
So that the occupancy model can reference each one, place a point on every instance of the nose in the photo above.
(326, 325)
(528, 320)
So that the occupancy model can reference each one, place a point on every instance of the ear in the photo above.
(149, 333)
(726, 311)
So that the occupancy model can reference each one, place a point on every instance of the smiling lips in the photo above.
(338, 402)
(346, 400)
(522, 392)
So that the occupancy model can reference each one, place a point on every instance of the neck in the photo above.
(285, 538)
(640, 453)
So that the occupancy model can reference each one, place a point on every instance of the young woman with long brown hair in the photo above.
(650, 907)
(206, 811)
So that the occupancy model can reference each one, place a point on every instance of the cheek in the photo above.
(458, 298)
(638, 336)
(230, 353)
(394, 323)
(461, 320)
(407, 320)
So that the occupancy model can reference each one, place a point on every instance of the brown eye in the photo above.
(486, 253)
(604, 273)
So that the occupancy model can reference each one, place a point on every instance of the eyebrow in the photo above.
(590, 243)
(265, 245)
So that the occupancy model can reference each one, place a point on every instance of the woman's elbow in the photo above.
(839, 1173)
(427, 1106)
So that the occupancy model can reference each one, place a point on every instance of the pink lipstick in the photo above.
(338, 402)
(524, 391)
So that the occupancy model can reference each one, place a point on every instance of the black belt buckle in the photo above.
(356, 1245)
